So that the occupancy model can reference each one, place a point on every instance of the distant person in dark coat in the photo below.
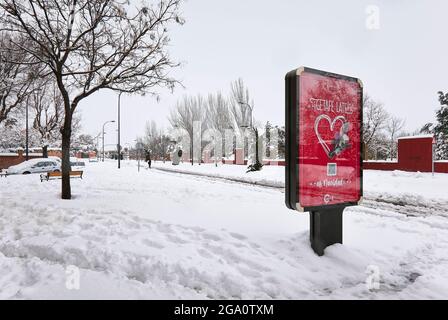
(148, 160)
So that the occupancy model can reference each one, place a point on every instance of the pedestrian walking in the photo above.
(148, 160)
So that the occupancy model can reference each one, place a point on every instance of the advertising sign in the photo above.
(323, 140)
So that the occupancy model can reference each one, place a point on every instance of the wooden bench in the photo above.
(58, 175)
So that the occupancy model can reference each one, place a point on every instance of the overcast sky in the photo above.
(403, 64)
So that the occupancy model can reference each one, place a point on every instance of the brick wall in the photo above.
(383, 166)
(11, 159)
(85, 155)
(441, 167)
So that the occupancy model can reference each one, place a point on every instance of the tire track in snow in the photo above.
(409, 207)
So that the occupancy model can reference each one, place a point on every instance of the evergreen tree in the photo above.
(281, 142)
(268, 129)
(440, 129)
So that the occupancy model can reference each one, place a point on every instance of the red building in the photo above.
(414, 154)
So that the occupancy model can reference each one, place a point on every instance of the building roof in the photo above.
(423, 136)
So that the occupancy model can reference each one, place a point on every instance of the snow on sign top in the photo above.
(425, 136)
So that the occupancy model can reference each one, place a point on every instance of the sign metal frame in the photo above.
(325, 220)
(292, 138)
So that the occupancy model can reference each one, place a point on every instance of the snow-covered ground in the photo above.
(164, 235)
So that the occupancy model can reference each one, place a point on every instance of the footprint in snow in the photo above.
(238, 236)
(176, 239)
(205, 254)
(211, 236)
(152, 244)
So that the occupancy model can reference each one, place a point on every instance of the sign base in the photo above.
(325, 229)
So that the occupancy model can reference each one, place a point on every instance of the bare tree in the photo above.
(16, 79)
(151, 132)
(12, 135)
(188, 111)
(219, 116)
(48, 107)
(375, 120)
(84, 142)
(218, 113)
(152, 138)
(156, 142)
(240, 101)
(242, 111)
(393, 128)
(87, 46)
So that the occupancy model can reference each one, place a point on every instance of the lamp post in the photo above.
(27, 131)
(434, 142)
(258, 164)
(119, 125)
(191, 145)
(98, 144)
(111, 121)
(251, 111)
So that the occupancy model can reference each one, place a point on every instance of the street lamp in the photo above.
(192, 146)
(119, 125)
(27, 131)
(251, 111)
(98, 144)
(111, 121)
(258, 164)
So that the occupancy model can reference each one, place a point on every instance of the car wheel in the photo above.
(57, 170)
(27, 172)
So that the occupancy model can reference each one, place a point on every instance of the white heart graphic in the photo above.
(332, 124)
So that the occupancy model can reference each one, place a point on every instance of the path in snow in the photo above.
(405, 192)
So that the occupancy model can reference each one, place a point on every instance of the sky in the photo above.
(396, 47)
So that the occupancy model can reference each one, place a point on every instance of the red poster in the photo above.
(327, 138)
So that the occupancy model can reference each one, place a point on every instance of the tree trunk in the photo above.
(66, 188)
(45, 151)
(66, 140)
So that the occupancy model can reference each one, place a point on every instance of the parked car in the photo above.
(59, 160)
(77, 164)
(35, 166)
